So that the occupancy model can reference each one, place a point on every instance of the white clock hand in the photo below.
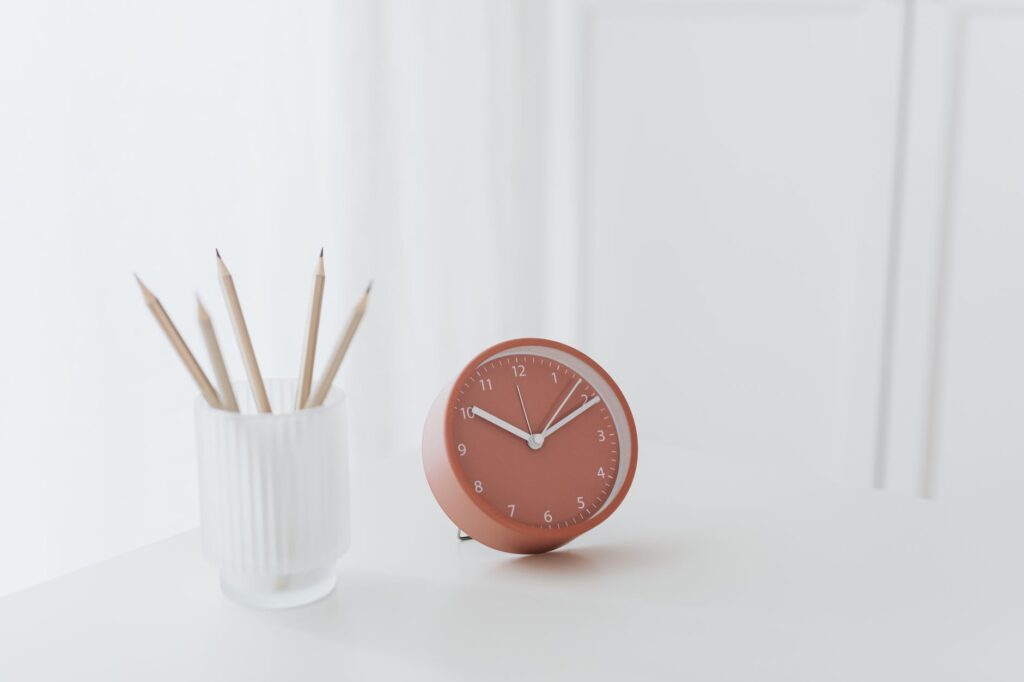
(536, 440)
(554, 414)
(500, 423)
(523, 405)
(572, 415)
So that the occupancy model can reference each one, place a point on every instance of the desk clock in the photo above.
(530, 446)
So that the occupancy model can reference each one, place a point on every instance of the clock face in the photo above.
(539, 436)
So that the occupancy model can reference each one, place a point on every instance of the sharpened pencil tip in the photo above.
(217, 251)
(203, 315)
(145, 290)
(321, 252)
(368, 287)
(222, 269)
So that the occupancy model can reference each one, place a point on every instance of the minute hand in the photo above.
(572, 415)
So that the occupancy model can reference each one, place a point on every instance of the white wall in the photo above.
(137, 137)
(736, 183)
(783, 226)
(786, 228)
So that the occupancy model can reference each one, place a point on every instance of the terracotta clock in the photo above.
(532, 445)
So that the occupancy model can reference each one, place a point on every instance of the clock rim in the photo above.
(543, 538)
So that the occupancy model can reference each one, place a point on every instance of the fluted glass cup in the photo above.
(273, 495)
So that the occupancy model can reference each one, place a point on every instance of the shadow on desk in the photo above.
(592, 561)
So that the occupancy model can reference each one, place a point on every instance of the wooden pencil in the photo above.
(312, 330)
(324, 385)
(252, 368)
(164, 320)
(227, 393)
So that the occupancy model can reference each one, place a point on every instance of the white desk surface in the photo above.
(710, 570)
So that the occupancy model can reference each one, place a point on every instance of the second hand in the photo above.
(534, 441)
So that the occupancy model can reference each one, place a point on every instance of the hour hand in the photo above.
(500, 423)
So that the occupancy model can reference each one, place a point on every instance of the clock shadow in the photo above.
(591, 561)
(558, 562)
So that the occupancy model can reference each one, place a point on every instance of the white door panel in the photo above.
(735, 177)
(975, 447)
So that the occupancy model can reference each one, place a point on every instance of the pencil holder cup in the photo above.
(273, 495)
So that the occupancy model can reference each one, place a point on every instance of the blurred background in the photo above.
(791, 230)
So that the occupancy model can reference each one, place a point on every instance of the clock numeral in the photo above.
(485, 385)
(462, 449)
(547, 516)
(467, 413)
(600, 436)
(519, 370)
(478, 486)
(554, 377)
(580, 503)
(585, 397)
(511, 510)
(600, 472)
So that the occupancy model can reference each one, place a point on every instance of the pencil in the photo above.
(164, 320)
(227, 393)
(312, 329)
(324, 385)
(252, 368)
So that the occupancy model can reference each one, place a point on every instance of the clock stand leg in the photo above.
(462, 536)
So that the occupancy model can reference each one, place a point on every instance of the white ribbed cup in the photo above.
(273, 494)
